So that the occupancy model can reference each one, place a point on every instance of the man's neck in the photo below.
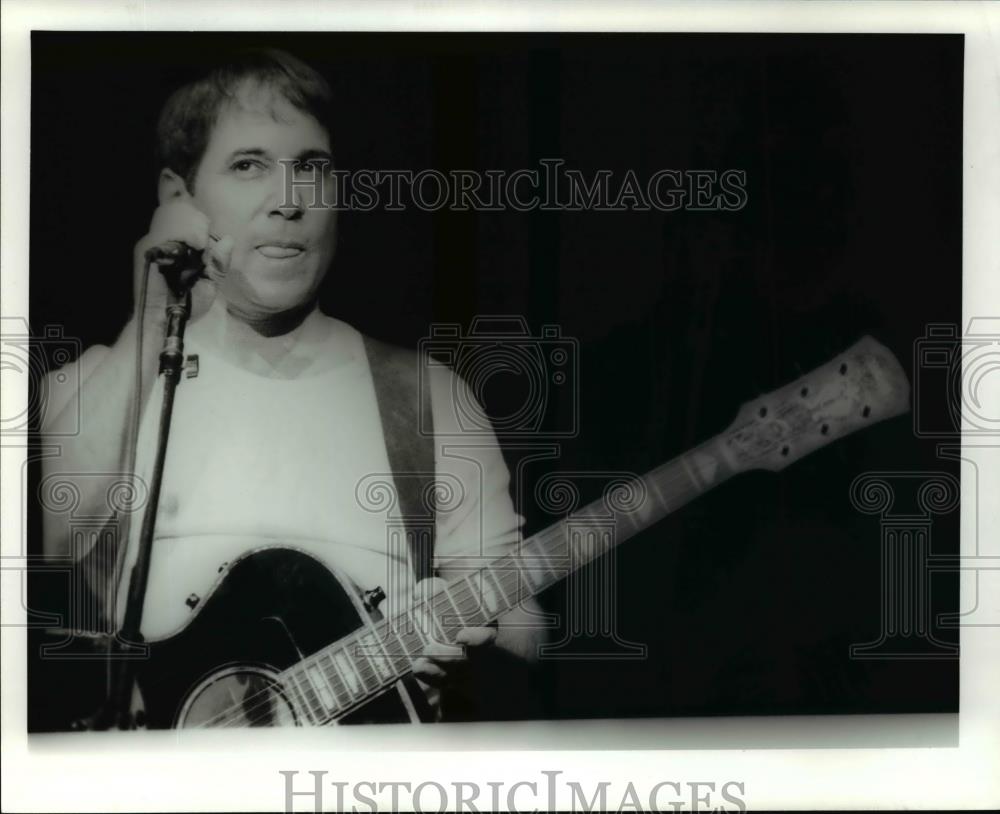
(281, 346)
(272, 325)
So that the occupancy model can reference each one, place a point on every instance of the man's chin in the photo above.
(275, 296)
(271, 319)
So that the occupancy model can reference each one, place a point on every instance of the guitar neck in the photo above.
(627, 507)
(342, 676)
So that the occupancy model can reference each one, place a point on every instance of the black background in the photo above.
(748, 599)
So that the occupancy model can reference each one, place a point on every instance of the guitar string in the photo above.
(364, 672)
(669, 474)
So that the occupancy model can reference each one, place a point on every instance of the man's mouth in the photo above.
(281, 249)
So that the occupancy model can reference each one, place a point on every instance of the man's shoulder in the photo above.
(414, 363)
(426, 376)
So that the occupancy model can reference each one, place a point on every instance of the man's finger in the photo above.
(476, 636)
(429, 672)
(216, 258)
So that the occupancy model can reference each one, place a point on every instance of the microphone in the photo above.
(180, 264)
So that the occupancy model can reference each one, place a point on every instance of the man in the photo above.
(277, 430)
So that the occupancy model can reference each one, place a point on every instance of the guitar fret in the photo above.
(377, 655)
(690, 472)
(312, 704)
(363, 666)
(471, 610)
(548, 570)
(654, 484)
(293, 685)
(372, 675)
(341, 696)
(322, 686)
(494, 608)
(474, 594)
(459, 620)
(348, 674)
(509, 581)
(524, 568)
(512, 587)
(401, 657)
(413, 643)
(435, 620)
(418, 631)
(632, 519)
(536, 577)
(340, 690)
(540, 566)
(319, 711)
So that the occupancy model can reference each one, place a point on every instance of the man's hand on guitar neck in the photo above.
(490, 672)
(445, 664)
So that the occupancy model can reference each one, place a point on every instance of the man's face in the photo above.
(281, 249)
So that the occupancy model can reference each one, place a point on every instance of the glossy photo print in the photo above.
(472, 378)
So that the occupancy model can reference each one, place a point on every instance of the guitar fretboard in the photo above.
(337, 679)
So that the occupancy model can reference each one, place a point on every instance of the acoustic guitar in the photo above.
(283, 640)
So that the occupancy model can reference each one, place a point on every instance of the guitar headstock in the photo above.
(861, 386)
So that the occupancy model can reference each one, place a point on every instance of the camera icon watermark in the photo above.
(500, 351)
(965, 368)
(30, 359)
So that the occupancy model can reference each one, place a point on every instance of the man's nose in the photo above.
(289, 210)
(289, 202)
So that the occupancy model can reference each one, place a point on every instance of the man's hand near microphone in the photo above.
(103, 407)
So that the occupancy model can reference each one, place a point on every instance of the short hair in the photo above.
(188, 116)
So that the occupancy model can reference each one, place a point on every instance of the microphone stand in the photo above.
(117, 710)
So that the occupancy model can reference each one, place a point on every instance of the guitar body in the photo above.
(269, 609)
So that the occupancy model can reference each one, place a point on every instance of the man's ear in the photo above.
(171, 186)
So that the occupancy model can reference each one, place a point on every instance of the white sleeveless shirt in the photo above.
(279, 442)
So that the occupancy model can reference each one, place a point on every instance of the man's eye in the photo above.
(246, 166)
(311, 166)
